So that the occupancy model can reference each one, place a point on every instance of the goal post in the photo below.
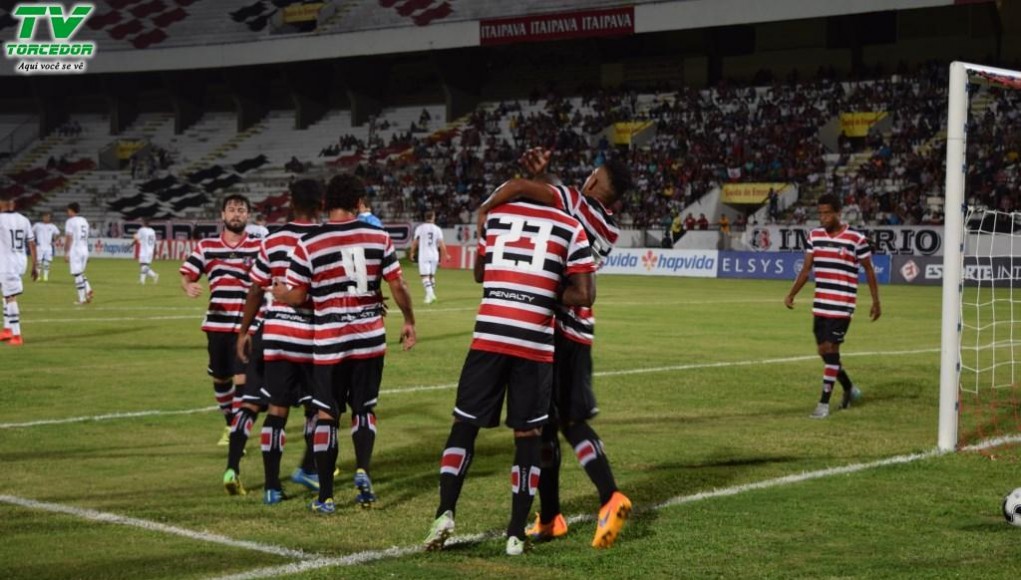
(956, 247)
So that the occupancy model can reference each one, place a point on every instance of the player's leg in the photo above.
(479, 398)
(221, 369)
(529, 389)
(252, 402)
(143, 272)
(84, 261)
(12, 287)
(829, 333)
(272, 442)
(550, 523)
(324, 438)
(425, 274)
(851, 393)
(366, 376)
(307, 474)
(43, 258)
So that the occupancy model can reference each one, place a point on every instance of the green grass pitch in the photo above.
(703, 385)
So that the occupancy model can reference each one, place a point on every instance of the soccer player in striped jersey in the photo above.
(225, 261)
(16, 238)
(530, 258)
(341, 266)
(45, 232)
(574, 401)
(76, 251)
(145, 239)
(835, 253)
(284, 348)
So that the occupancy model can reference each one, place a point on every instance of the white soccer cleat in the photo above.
(517, 547)
(822, 410)
(155, 278)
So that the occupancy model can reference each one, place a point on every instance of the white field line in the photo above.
(109, 518)
(30, 321)
(396, 552)
(426, 388)
(106, 417)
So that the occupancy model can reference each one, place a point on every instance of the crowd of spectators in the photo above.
(770, 132)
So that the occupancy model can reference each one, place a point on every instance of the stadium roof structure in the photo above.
(166, 35)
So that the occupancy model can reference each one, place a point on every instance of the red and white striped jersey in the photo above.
(578, 322)
(226, 267)
(529, 251)
(835, 261)
(342, 266)
(287, 332)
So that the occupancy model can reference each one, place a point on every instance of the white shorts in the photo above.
(427, 267)
(44, 253)
(145, 259)
(78, 262)
(11, 284)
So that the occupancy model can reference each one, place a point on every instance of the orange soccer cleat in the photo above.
(540, 532)
(6, 334)
(612, 517)
(16, 341)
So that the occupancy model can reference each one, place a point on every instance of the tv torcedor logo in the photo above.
(62, 55)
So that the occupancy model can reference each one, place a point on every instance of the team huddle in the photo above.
(296, 319)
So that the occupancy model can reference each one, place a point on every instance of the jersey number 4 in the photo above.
(538, 240)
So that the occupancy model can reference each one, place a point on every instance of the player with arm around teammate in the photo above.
(284, 348)
(835, 253)
(15, 238)
(341, 267)
(530, 259)
(573, 405)
(427, 245)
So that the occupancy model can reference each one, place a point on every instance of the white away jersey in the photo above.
(146, 243)
(44, 234)
(429, 237)
(78, 228)
(15, 234)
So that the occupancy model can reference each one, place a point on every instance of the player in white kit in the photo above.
(76, 251)
(15, 237)
(145, 238)
(428, 244)
(45, 232)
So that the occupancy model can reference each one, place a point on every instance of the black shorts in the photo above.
(353, 382)
(487, 375)
(830, 329)
(288, 383)
(253, 390)
(223, 357)
(573, 397)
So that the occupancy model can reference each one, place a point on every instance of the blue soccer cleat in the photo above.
(363, 484)
(272, 496)
(306, 478)
(324, 508)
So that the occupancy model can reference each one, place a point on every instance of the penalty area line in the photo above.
(446, 386)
